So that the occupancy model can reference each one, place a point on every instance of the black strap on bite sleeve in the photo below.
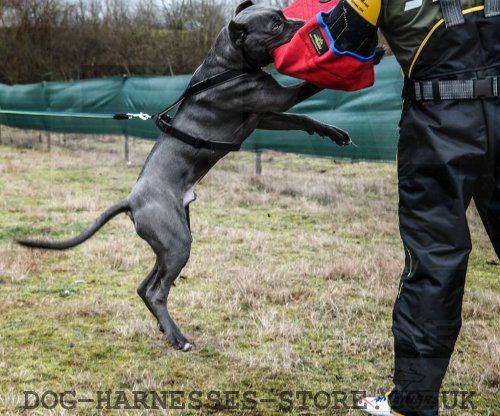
(350, 31)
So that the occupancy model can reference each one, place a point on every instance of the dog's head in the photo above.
(258, 31)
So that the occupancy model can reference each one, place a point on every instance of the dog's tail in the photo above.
(119, 207)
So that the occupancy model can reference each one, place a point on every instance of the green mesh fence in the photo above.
(370, 115)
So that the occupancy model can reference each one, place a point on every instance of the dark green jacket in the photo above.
(407, 25)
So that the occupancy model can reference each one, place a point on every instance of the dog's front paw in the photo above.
(339, 136)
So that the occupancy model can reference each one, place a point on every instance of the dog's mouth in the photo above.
(258, 45)
(289, 31)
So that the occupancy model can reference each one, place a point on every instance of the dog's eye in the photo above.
(277, 25)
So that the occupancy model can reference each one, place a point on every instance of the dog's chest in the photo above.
(188, 197)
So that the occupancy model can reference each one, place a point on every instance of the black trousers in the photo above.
(449, 154)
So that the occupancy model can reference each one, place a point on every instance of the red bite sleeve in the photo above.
(310, 56)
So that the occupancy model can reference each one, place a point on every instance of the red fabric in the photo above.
(299, 58)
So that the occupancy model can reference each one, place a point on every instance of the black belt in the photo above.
(454, 89)
(453, 15)
(163, 123)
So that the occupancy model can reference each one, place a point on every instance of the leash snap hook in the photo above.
(142, 116)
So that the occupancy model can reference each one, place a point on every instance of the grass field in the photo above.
(288, 293)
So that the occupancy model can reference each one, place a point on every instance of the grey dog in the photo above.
(158, 202)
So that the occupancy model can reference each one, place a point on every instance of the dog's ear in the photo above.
(243, 6)
(237, 32)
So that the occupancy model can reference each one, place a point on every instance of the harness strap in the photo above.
(455, 89)
(203, 85)
(163, 120)
(491, 8)
(164, 125)
(452, 12)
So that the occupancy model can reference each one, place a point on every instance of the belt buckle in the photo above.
(483, 88)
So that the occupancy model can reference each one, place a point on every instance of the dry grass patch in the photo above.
(290, 284)
(16, 263)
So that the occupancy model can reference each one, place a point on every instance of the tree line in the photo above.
(60, 40)
(45, 40)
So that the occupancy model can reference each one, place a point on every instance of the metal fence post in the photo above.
(126, 149)
(258, 162)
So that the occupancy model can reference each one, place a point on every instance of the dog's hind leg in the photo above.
(141, 291)
(170, 266)
(167, 231)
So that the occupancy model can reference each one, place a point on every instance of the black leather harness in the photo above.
(164, 121)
